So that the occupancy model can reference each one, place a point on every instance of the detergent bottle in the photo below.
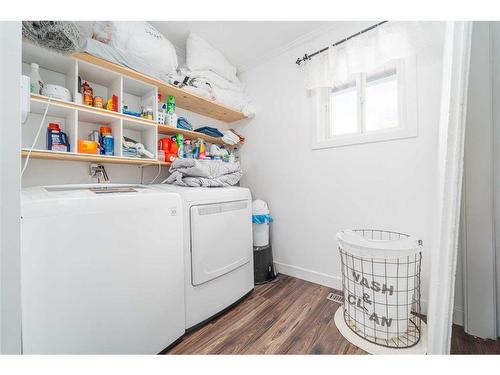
(188, 149)
(179, 138)
(56, 139)
(201, 153)
(106, 141)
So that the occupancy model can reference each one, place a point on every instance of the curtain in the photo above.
(367, 52)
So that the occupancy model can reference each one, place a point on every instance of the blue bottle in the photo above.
(56, 139)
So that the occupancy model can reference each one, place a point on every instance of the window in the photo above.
(374, 106)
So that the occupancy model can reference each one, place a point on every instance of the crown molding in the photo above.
(294, 43)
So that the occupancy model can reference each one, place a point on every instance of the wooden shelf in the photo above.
(167, 130)
(71, 156)
(91, 110)
(183, 99)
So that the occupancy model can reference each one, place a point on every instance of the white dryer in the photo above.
(102, 270)
(218, 252)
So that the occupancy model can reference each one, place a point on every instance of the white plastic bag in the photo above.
(140, 39)
(200, 55)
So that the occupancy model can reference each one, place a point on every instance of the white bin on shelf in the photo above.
(260, 223)
(381, 285)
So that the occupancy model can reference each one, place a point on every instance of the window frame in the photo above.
(407, 112)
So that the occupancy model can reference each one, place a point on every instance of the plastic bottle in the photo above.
(36, 82)
(107, 142)
(188, 149)
(56, 139)
(170, 104)
(236, 153)
(179, 139)
(171, 116)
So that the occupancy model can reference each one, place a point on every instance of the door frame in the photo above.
(456, 61)
(10, 188)
(478, 225)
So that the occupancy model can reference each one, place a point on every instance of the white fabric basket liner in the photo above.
(355, 242)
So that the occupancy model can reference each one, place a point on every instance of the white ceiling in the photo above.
(244, 43)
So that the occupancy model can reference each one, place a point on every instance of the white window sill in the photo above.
(354, 139)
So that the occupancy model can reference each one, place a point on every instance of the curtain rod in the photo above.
(308, 57)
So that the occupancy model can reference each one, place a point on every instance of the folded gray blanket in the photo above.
(62, 36)
(204, 173)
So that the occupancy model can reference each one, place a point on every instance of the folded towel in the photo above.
(230, 138)
(213, 132)
(182, 123)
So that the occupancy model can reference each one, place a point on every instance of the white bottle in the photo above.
(36, 82)
(171, 119)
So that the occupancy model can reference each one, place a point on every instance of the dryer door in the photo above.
(221, 239)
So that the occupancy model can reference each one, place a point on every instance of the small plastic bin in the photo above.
(260, 221)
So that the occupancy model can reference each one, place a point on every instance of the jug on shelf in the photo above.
(57, 140)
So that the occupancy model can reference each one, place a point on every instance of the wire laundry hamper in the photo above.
(381, 285)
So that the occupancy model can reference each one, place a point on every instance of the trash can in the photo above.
(260, 220)
(263, 264)
(381, 286)
(262, 249)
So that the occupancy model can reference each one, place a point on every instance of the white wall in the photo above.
(10, 139)
(314, 194)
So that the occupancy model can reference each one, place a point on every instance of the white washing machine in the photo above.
(102, 270)
(218, 252)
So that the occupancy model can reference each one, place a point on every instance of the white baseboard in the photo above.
(335, 282)
(320, 278)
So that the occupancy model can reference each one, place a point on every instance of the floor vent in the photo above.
(335, 297)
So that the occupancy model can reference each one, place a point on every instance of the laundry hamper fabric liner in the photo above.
(381, 282)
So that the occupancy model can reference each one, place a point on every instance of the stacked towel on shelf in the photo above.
(213, 132)
(183, 123)
(230, 138)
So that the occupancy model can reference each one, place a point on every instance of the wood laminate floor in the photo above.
(290, 316)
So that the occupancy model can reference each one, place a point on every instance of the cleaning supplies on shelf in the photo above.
(171, 104)
(109, 104)
(88, 147)
(170, 115)
(218, 153)
(179, 138)
(188, 149)
(57, 140)
(88, 94)
(235, 152)
(36, 83)
(167, 149)
(201, 150)
(106, 141)
(114, 104)
(147, 113)
(99, 102)
(183, 123)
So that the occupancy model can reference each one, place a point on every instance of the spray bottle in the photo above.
(179, 139)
